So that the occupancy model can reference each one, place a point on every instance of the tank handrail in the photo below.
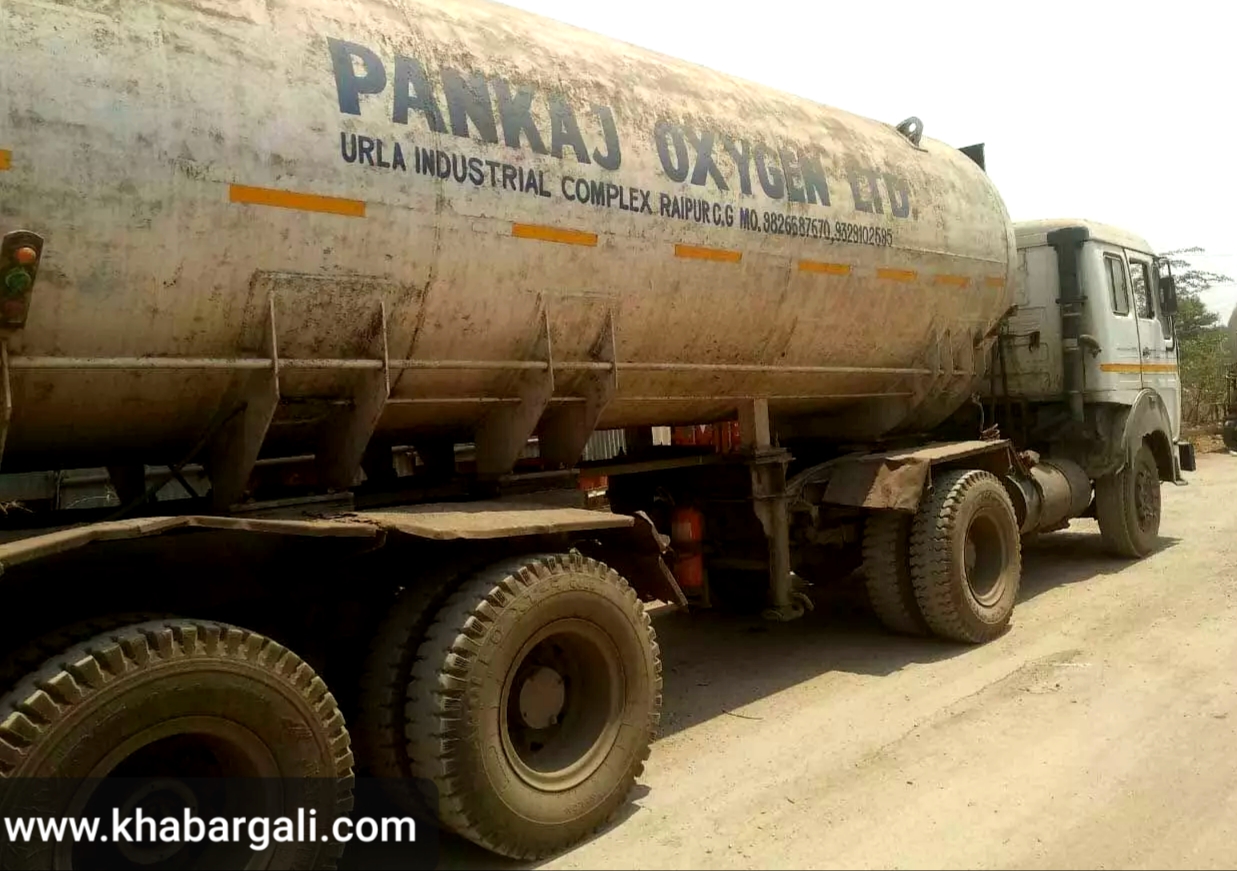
(265, 363)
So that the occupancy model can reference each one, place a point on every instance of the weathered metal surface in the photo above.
(513, 190)
(475, 520)
(489, 520)
(24, 549)
(896, 479)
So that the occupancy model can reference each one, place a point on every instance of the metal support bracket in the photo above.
(343, 444)
(506, 430)
(565, 431)
(771, 503)
(234, 450)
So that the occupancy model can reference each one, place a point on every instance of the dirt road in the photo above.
(1100, 731)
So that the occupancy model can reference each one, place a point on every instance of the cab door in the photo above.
(1115, 373)
(1157, 351)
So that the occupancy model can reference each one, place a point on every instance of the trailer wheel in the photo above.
(136, 715)
(381, 744)
(16, 665)
(966, 560)
(1127, 506)
(887, 572)
(533, 702)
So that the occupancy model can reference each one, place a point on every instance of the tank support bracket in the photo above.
(233, 451)
(566, 429)
(343, 445)
(507, 429)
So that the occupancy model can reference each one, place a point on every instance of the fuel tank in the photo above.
(416, 219)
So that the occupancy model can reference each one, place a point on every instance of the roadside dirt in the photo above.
(1100, 731)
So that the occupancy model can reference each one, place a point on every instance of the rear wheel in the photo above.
(1128, 506)
(382, 746)
(887, 572)
(966, 558)
(533, 702)
(173, 716)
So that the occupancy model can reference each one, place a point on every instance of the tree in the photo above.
(1193, 316)
(1202, 343)
(1203, 371)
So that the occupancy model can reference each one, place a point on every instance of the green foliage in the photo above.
(1193, 316)
(1204, 376)
(1202, 342)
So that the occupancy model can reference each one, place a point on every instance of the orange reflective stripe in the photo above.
(553, 234)
(721, 255)
(292, 200)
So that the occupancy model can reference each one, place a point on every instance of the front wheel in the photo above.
(1127, 506)
(533, 701)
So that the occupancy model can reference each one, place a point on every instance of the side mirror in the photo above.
(1168, 295)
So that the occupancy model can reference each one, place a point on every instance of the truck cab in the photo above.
(1126, 355)
(1084, 372)
(1127, 319)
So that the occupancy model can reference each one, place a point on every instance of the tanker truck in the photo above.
(339, 294)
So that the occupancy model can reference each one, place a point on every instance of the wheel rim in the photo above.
(208, 766)
(561, 705)
(983, 562)
(1147, 498)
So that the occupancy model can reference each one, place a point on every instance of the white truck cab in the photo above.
(1086, 367)
(1127, 318)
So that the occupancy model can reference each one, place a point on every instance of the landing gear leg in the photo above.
(768, 470)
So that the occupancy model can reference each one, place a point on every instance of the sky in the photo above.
(1087, 109)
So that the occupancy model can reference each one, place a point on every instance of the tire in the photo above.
(887, 573)
(1127, 506)
(473, 733)
(30, 656)
(966, 557)
(1228, 432)
(174, 700)
(381, 743)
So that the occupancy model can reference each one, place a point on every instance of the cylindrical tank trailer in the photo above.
(515, 193)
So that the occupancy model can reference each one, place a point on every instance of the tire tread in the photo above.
(886, 572)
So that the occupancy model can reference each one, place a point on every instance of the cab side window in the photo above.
(1140, 278)
(1118, 288)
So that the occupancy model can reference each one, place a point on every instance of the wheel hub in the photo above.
(1147, 499)
(983, 560)
(206, 765)
(542, 698)
(562, 704)
(158, 798)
